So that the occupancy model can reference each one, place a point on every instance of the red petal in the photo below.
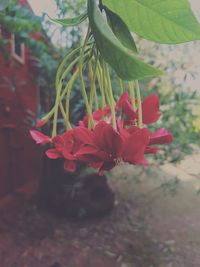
(151, 150)
(150, 109)
(69, 166)
(125, 104)
(123, 98)
(53, 153)
(107, 166)
(67, 155)
(107, 139)
(91, 154)
(96, 165)
(84, 135)
(40, 138)
(161, 136)
(134, 146)
(58, 142)
(40, 123)
(68, 138)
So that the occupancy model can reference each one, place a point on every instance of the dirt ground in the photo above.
(150, 226)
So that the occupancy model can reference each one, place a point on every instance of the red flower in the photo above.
(135, 144)
(40, 138)
(40, 123)
(150, 109)
(105, 147)
(161, 136)
(66, 147)
(97, 116)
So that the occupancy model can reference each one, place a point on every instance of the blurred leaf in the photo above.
(162, 21)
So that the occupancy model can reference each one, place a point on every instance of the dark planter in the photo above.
(73, 195)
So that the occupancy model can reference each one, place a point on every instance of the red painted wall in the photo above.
(19, 157)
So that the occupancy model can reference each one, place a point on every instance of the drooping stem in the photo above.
(121, 86)
(112, 101)
(93, 91)
(139, 104)
(48, 115)
(91, 121)
(132, 94)
(63, 114)
(55, 118)
(100, 81)
(105, 85)
(62, 64)
(69, 68)
(69, 89)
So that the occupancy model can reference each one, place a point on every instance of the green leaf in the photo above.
(122, 59)
(162, 21)
(69, 22)
(121, 30)
(3, 4)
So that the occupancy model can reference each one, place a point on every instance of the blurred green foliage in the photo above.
(178, 117)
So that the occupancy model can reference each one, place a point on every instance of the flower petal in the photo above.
(84, 135)
(134, 146)
(150, 109)
(91, 154)
(67, 155)
(69, 166)
(40, 123)
(40, 138)
(123, 98)
(53, 153)
(151, 150)
(107, 139)
(58, 142)
(161, 136)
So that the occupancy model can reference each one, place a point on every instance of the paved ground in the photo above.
(172, 216)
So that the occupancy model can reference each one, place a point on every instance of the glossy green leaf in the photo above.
(162, 21)
(123, 60)
(69, 22)
(120, 30)
(3, 4)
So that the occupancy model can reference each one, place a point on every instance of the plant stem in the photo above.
(64, 115)
(112, 102)
(93, 94)
(54, 131)
(91, 121)
(121, 86)
(139, 104)
(132, 94)
(62, 64)
(69, 89)
(100, 81)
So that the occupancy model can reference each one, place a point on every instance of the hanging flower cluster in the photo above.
(104, 146)
(110, 133)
